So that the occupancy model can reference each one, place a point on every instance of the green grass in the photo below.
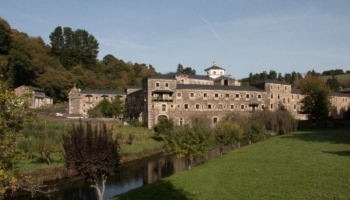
(342, 78)
(300, 165)
(143, 144)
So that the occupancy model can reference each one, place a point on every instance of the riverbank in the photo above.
(301, 165)
(59, 171)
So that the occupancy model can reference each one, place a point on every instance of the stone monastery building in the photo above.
(181, 96)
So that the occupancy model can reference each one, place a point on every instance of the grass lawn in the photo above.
(300, 165)
(135, 142)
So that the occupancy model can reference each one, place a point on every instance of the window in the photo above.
(263, 106)
(285, 87)
(271, 96)
(271, 106)
(292, 96)
(219, 106)
(278, 96)
(215, 120)
(96, 98)
(259, 96)
(237, 95)
(284, 100)
(242, 106)
(197, 106)
(205, 95)
(186, 106)
(295, 106)
(166, 84)
(170, 94)
(163, 107)
(191, 94)
(157, 84)
(216, 95)
(209, 106)
(232, 106)
(179, 94)
(178, 106)
(172, 106)
(247, 96)
(227, 95)
(180, 122)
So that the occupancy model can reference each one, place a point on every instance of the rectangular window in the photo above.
(284, 100)
(216, 95)
(247, 96)
(209, 106)
(179, 94)
(242, 106)
(197, 106)
(232, 106)
(205, 95)
(170, 94)
(263, 107)
(96, 98)
(219, 106)
(163, 107)
(186, 106)
(180, 122)
(237, 95)
(227, 95)
(295, 106)
(166, 84)
(157, 84)
(271, 96)
(271, 106)
(191, 94)
(215, 120)
(259, 96)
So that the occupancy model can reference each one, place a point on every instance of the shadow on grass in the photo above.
(339, 153)
(334, 136)
(159, 190)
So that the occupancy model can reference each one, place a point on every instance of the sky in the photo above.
(242, 36)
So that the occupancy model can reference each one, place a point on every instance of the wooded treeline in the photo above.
(71, 58)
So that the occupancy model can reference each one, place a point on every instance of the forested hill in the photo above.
(70, 58)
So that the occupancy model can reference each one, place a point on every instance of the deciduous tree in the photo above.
(93, 153)
(316, 103)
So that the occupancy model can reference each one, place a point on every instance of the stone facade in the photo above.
(181, 96)
(38, 98)
(80, 101)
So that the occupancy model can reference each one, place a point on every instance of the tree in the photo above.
(190, 141)
(11, 120)
(227, 133)
(104, 108)
(187, 70)
(92, 153)
(333, 83)
(74, 47)
(164, 126)
(316, 103)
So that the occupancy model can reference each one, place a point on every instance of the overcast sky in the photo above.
(243, 36)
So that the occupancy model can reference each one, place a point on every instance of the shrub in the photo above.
(136, 123)
(164, 126)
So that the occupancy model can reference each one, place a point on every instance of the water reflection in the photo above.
(131, 176)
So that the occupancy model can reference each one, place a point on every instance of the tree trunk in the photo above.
(190, 159)
(221, 150)
(47, 155)
(238, 144)
(250, 142)
(100, 193)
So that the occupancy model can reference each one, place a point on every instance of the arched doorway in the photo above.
(162, 117)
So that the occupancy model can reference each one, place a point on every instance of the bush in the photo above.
(136, 123)
(164, 126)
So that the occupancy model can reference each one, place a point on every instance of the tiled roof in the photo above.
(273, 81)
(214, 67)
(218, 87)
(121, 92)
(296, 91)
(340, 94)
